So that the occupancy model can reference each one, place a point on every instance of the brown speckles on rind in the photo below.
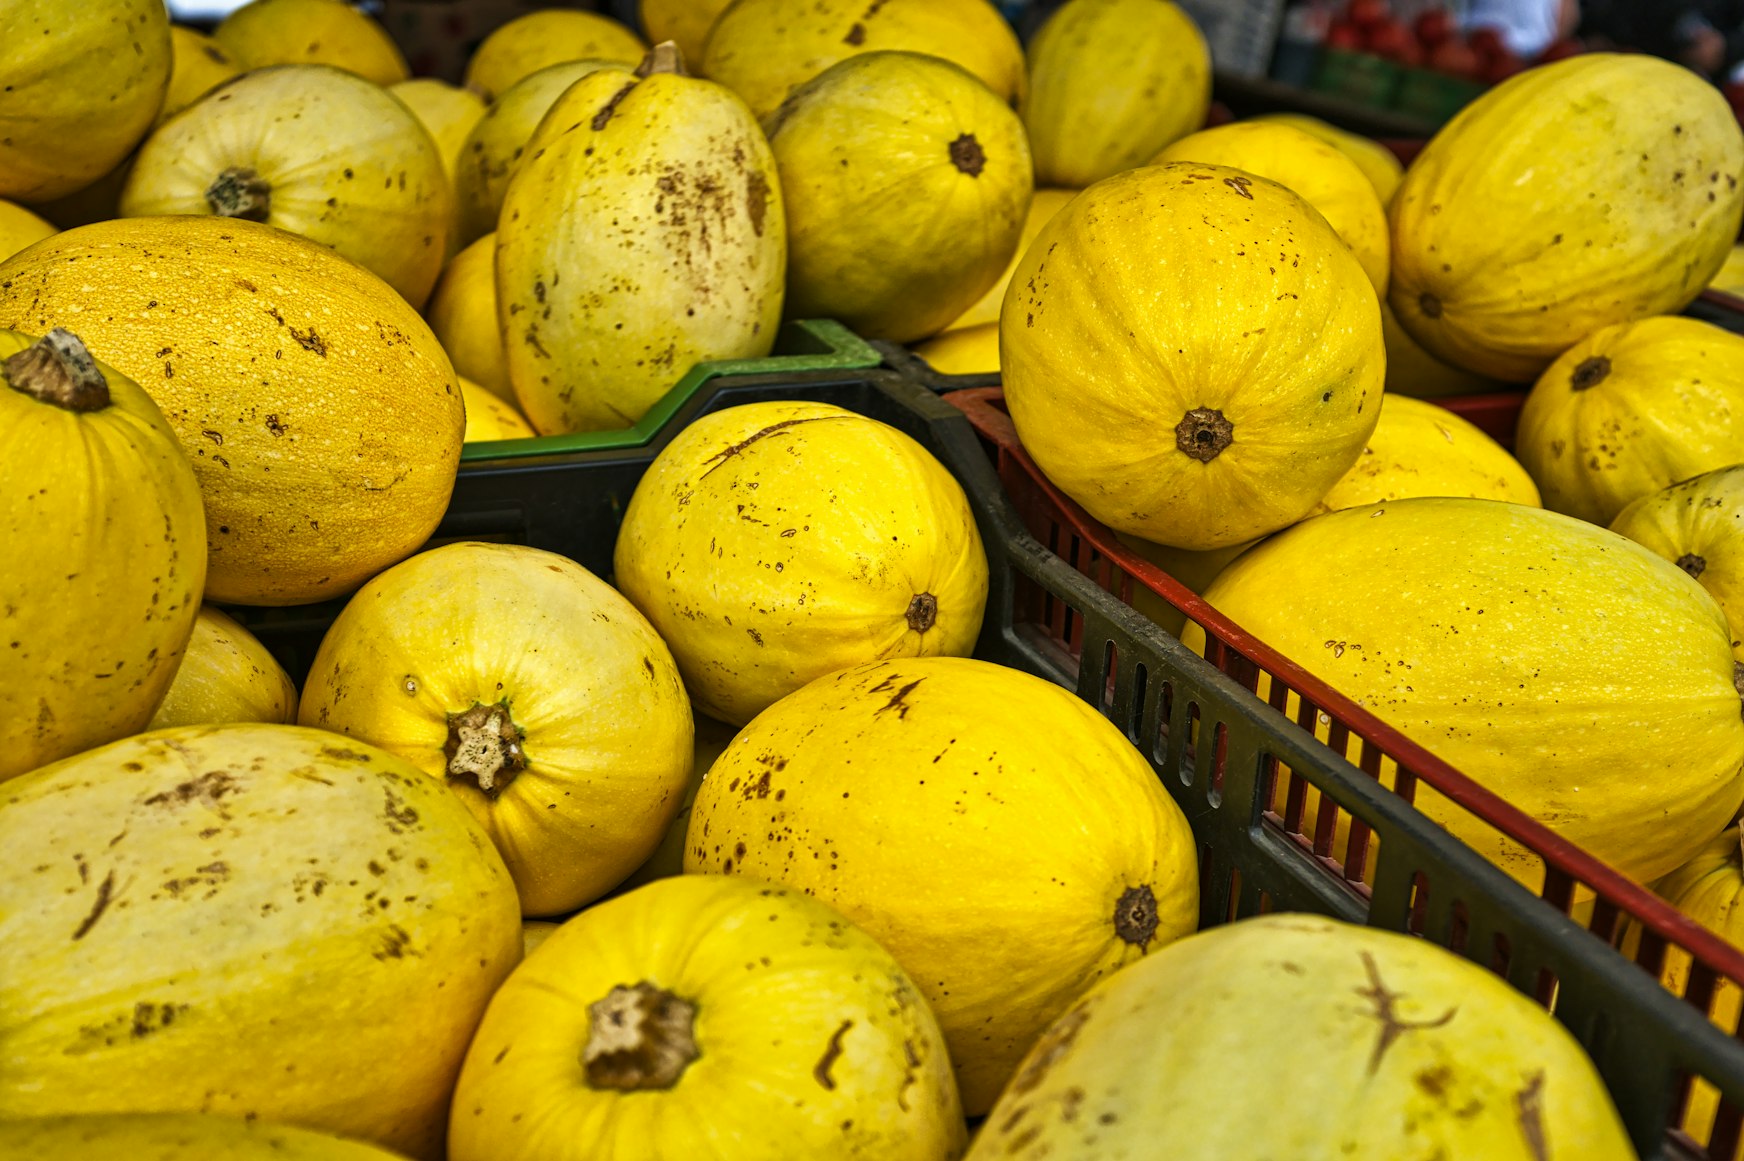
(1055, 1043)
(606, 111)
(756, 200)
(832, 1052)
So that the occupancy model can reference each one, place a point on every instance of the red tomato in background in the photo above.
(1366, 14)
(1433, 27)
(1344, 36)
(1455, 58)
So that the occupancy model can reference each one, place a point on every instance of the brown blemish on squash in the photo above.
(1240, 185)
(1429, 305)
(639, 1037)
(105, 896)
(58, 370)
(603, 118)
(310, 341)
(1203, 433)
(856, 35)
(1385, 1002)
(756, 200)
(898, 700)
(1529, 1110)
(1135, 915)
(832, 1053)
(1054, 1044)
(739, 448)
(1590, 373)
(240, 192)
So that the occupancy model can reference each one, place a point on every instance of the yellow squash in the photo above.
(1596, 190)
(226, 675)
(963, 350)
(105, 552)
(1698, 525)
(643, 234)
(490, 418)
(172, 1137)
(667, 860)
(684, 22)
(535, 932)
(1730, 279)
(1110, 83)
(708, 1017)
(20, 228)
(248, 920)
(764, 49)
(1299, 1036)
(315, 151)
(773, 543)
(1573, 673)
(525, 45)
(449, 113)
(1205, 303)
(326, 32)
(1632, 409)
(906, 183)
(1376, 161)
(534, 690)
(1043, 205)
(463, 315)
(200, 65)
(1009, 856)
(1194, 569)
(1317, 172)
(1413, 371)
(322, 417)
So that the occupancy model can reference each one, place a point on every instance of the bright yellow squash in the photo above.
(1110, 83)
(963, 350)
(764, 49)
(463, 315)
(1206, 303)
(1318, 173)
(1730, 279)
(449, 113)
(1632, 409)
(1376, 161)
(667, 860)
(534, 690)
(1008, 856)
(706, 1016)
(200, 65)
(1575, 674)
(105, 547)
(248, 920)
(643, 234)
(315, 151)
(1043, 205)
(906, 183)
(1596, 190)
(773, 543)
(1194, 569)
(1698, 525)
(321, 415)
(490, 418)
(325, 32)
(1299, 1036)
(173, 1137)
(684, 22)
(538, 40)
(226, 675)
(79, 86)
(1413, 371)
(20, 228)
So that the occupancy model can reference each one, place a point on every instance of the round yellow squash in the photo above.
(105, 552)
(534, 690)
(200, 65)
(1317, 172)
(315, 151)
(463, 315)
(667, 860)
(172, 1137)
(1573, 673)
(490, 418)
(20, 228)
(963, 350)
(999, 836)
(1596, 190)
(1731, 276)
(1207, 303)
(226, 675)
(643, 234)
(1194, 569)
(248, 920)
(764, 49)
(1110, 83)
(538, 40)
(906, 183)
(1413, 371)
(1698, 525)
(449, 113)
(773, 543)
(1300, 1036)
(1376, 161)
(1043, 205)
(1632, 409)
(322, 417)
(80, 82)
(302, 32)
(685, 23)
(706, 1016)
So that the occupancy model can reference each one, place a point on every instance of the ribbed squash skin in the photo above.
(463, 315)
(448, 112)
(200, 65)
(327, 32)
(1043, 205)
(541, 39)
(173, 1137)
(1376, 161)
(226, 675)
(1593, 191)
(1698, 525)
(490, 418)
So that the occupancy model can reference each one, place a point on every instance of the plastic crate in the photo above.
(1434, 97)
(1359, 77)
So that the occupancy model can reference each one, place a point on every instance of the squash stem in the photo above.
(662, 58)
(641, 1037)
(239, 192)
(484, 747)
(57, 369)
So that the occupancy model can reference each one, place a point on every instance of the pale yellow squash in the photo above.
(685, 23)
(538, 40)
(906, 183)
(226, 675)
(105, 547)
(255, 921)
(1009, 857)
(963, 350)
(315, 151)
(643, 234)
(667, 860)
(1592, 191)
(463, 315)
(1110, 83)
(1157, 303)
(1300, 1036)
(490, 418)
(1698, 525)
(1731, 276)
(542, 698)
(1378, 163)
(449, 113)
(80, 83)
(200, 65)
(20, 228)
(173, 1137)
(1043, 205)
(1413, 371)
(773, 543)
(324, 32)
(321, 415)
(707, 1016)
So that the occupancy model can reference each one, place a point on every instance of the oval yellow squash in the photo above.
(1731, 276)
(1580, 194)
(200, 65)
(643, 234)
(449, 113)
(490, 418)
(463, 315)
(323, 32)
(322, 417)
(707, 1016)
(1043, 205)
(1008, 857)
(685, 23)
(226, 675)
(1413, 371)
(1299, 1036)
(526, 44)
(963, 350)
(1110, 83)
(1377, 162)
(667, 860)
(250, 920)
(20, 228)
(1205, 303)
(172, 1137)
(773, 543)
(1698, 525)
(80, 84)
(906, 182)
(1194, 569)
(105, 547)
(534, 690)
